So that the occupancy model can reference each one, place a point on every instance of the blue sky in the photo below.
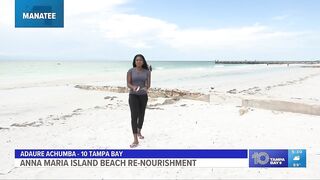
(170, 30)
(230, 13)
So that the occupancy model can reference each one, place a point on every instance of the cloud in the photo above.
(101, 28)
(136, 31)
(247, 37)
(7, 13)
(80, 7)
(255, 41)
(71, 8)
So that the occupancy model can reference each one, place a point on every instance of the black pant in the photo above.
(138, 104)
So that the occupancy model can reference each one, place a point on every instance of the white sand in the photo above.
(66, 117)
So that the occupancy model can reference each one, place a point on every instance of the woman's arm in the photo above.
(129, 80)
(149, 80)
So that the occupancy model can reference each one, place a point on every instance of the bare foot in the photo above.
(140, 136)
(134, 144)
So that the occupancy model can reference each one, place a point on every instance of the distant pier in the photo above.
(267, 62)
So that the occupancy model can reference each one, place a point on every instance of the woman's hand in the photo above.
(138, 88)
(135, 88)
(145, 88)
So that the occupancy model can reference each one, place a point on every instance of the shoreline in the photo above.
(267, 62)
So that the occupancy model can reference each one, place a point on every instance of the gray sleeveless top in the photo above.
(139, 78)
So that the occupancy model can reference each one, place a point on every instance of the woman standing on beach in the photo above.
(139, 81)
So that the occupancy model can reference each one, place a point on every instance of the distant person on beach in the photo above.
(139, 81)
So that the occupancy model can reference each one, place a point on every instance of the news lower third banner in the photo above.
(241, 158)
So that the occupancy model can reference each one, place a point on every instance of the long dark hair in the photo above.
(144, 66)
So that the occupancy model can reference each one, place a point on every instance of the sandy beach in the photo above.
(59, 114)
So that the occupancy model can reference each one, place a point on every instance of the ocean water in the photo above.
(165, 73)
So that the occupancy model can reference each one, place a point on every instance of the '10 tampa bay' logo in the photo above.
(261, 158)
(277, 158)
(39, 13)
